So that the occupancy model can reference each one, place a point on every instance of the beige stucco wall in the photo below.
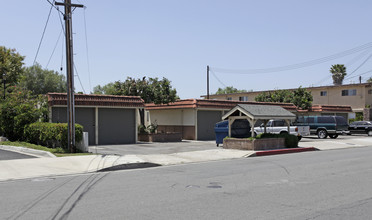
(334, 96)
(173, 117)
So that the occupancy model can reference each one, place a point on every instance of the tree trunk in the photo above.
(142, 116)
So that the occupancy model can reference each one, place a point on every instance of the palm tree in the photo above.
(338, 73)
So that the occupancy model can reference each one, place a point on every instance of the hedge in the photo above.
(291, 140)
(51, 135)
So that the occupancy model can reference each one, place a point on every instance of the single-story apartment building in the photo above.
(195, 118)
(108, 119)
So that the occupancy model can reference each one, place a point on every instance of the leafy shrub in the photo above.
(19, 109)
(151, 129)
(51, 134)
(291, 140)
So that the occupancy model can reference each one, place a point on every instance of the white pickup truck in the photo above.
(280, 127)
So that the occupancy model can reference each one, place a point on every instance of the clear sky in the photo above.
(177, 39)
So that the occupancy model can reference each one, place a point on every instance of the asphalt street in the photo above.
(332, 184)
(10, 155)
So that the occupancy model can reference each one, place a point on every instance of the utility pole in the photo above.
(207, 81)
(70, 73)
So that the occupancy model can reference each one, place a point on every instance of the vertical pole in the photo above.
(70, 77)
(207, 82)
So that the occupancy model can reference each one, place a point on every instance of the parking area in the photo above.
(343, 141)
(153, 148)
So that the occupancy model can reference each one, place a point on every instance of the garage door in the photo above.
(83, 116)
(206, 122)
(116, 126)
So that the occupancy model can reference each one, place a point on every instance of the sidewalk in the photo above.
(47, 165)
(43, 167)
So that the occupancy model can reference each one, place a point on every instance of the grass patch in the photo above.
(59, 152)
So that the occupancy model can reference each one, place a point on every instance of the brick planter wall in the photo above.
(161, 137)
(257, 144)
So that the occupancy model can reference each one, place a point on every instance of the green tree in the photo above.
(151, 90)
(229, 90)
(338, 73)
(302, 98)
(19, 109)
(107, 89)
(369, 80)
(11, 66)
(41, 81)
(299, 97)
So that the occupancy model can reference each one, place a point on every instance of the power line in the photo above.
(298, 65)
(360, 65)
(55, 46)
(42, 36)
(214, 75)
(359, 74)
(77, 74)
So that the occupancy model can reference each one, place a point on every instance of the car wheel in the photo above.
(333, 136)
(369, 133)
(322, 134)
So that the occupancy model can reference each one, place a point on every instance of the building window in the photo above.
(243, 98)
(323, 93)
(229, 98)
(369, 91)
(349, 92)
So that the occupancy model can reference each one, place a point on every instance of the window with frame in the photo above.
(323, 93)
(369, 91)
(243, 98)
(348, 92)
(229, 98)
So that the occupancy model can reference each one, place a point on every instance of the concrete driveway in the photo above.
(144, 148)
(342, 141)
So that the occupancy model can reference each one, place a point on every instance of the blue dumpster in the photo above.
(240, 129)
(222, 130)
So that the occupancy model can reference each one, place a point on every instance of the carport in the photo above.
(253, 113)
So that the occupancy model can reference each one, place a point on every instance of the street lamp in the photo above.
(4, 80)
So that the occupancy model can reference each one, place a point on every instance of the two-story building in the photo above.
(358, 96)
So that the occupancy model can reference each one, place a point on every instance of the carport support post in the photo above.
(265, 124)
(252, 122)
(288, 125)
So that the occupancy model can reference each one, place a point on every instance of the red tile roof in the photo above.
(329, 108)
(227, 104)
(96, 100)
(214, 104)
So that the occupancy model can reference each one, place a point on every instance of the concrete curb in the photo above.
(28, 151)
(283, 151)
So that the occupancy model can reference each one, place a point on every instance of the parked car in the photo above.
(361, 127)
(280, 127)
(325, 126)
